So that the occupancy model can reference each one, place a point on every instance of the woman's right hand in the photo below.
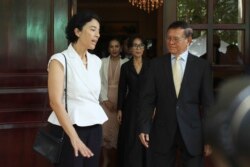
(79, 146)
(119, 116)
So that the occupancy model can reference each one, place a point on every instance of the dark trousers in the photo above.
(91, 136)
(176, 156)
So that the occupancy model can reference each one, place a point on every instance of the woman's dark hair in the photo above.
(133, 37)
(131, 42)
(78, 21)
(113, 38)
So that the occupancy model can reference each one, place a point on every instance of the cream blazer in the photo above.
(104, 77)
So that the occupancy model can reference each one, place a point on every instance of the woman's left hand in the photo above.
(79, 146)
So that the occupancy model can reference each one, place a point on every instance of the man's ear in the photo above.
(189, 40)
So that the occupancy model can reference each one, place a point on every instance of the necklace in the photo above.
(84, 60)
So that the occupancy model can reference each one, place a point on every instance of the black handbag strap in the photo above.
(66, 83)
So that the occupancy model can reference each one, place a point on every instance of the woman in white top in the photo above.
(82, 122)
(110, 74)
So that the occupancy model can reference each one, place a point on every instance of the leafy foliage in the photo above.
(225, 12)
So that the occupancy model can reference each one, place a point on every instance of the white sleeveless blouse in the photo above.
(84, 86)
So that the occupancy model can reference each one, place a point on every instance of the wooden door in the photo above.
(30, 32)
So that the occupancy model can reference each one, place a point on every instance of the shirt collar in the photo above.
(73, 52)
(183, 56)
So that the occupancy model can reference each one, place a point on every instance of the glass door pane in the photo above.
(192, 11)
(228, 47)
(230, 11)
(198, 46)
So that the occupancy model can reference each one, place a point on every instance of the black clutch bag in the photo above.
(46, 143)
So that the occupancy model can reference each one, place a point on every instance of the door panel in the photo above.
(30, 33)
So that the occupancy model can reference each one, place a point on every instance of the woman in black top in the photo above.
(130, 151)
